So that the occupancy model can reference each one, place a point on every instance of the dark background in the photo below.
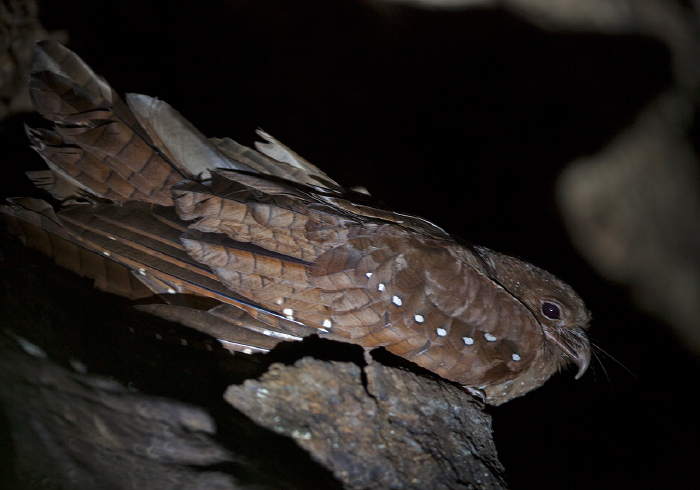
(463, 117)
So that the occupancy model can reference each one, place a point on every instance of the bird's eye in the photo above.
(550, 310)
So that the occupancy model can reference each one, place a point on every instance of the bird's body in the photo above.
(264, 247)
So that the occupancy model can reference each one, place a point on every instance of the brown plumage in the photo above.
(257, 247)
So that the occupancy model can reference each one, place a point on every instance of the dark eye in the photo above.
(550, 310)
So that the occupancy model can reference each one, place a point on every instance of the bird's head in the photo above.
(559, 310)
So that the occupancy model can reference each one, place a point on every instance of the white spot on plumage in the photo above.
(105, 252)
(490, 337)
(171, 291)
(441, 332)
(381, 287)
(247, 351)
(468, 340)
(396, 300)
(327, 323)
(368, 274)
(279, 301)
(112, 238)
(31, 349)
(78, 366)
(280, 335)
(419, 318)
(289, 313)
(142, 271)
(515, 357)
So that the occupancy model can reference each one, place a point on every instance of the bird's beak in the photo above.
(575, 345)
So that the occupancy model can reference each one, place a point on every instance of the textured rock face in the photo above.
(375, 426)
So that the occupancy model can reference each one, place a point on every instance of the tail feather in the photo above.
(176, 138)
(143, 255)
(273, 159)
(37, 225)
(62, 86)
(107, 148)
(142, 219)
(84, 170)
(247, 339)
(55, 183)
(85, 219)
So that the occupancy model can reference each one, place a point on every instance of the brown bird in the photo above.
(258, 247)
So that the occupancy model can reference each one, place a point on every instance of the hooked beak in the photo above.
(575, 345)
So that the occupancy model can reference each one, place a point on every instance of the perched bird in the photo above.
(258, 246)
